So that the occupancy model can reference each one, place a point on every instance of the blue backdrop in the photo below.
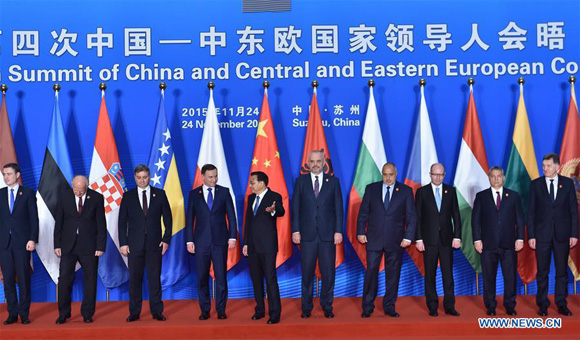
(132, 46)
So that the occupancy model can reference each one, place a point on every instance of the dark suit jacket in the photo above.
(91, 224)
(497, 229)
(133, 224)
(547, 221)
(432, 224)
(260, 232)
(322, 214)
(210, 226)
(386, 229)
(23, 221)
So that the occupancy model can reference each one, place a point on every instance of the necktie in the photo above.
(209, 198)
(80, 205)
(256, 205)
(387, 198)
(438, 198)
(316, 186)
(497, 200)
(145, 206)
(11, 200)
(552, 196)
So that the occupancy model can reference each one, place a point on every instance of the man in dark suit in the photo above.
(18, 238)
(209, 236)
(497, 223)
(552, 227)
(142, 210)
(261, 244)
(438, 233)
(80, 234)
(317, 215)
(387, 207)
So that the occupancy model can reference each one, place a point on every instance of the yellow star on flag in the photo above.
(255, 161)
(277, 154)
(261, 131)
(267, 163)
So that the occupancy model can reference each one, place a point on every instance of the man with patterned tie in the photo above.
(140, 215)
(438, 233)
(261, 244)
(18, 238)
(497, 223)
(209, 237)
(386, 224)
(317, 216)
(80, 235)
(552, 228)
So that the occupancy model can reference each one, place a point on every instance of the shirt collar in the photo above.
(148, 188)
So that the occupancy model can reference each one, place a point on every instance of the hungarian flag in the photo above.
(56, 174)
(570, 160)
(371, 158)
(7, 151)
(211, 151)
(316, 140)
(106, 177)
(423, 155)
(470, 178)
(267, 159)
(165, 176)
(522, 169)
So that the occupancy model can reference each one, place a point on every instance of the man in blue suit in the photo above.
(317, 216)
(552, 227)
(386, 224)
(209, 237)
(497, 222)
(18, 238)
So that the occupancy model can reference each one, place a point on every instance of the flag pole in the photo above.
(213, 290)
(476, 284)
(56, 87)
(4, 88)
(108, 296)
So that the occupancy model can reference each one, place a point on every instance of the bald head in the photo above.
(437, 173)
(79, 185)
(389, 173)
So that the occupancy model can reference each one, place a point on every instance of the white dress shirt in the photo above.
(140, 195)
(548, 181)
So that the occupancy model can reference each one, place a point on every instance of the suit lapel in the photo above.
(4, 199)
(17, 198)
(431, 197)
(558, 190)
(545, 187)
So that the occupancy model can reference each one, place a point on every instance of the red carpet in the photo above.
(182, 322)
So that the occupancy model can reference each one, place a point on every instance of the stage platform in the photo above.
(182, 322)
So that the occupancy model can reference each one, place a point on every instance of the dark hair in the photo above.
(494, 168)
(141, 168)
(207, 167)
(260, 176)
(553, 156)
(14, 166)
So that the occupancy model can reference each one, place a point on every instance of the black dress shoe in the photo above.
(11, 320)
(543, 312)
(433, 313)
(132, 318)
(564, 311)
(222, 315)
(61, 320)
(491, 312)
(87, 319)
(328, 314)
(366, 314)
(272, 321)
(159, 317)
(452, 312)
(511, 312)
(305, 314)
(257, 316)
(25, 320)
(392, 314)
(204, 316)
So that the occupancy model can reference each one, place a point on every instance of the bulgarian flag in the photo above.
(470, 178)
(371, 158)
(211, 151)
(522, 169)
(570, 160)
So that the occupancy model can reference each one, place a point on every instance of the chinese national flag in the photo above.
(316, 140)
(570, 167)
(267, 159)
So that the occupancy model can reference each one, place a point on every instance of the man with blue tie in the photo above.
(209, 237)
(552, 228)
(497, 223)
(18, 238)
(317, 216)
(386, 224)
